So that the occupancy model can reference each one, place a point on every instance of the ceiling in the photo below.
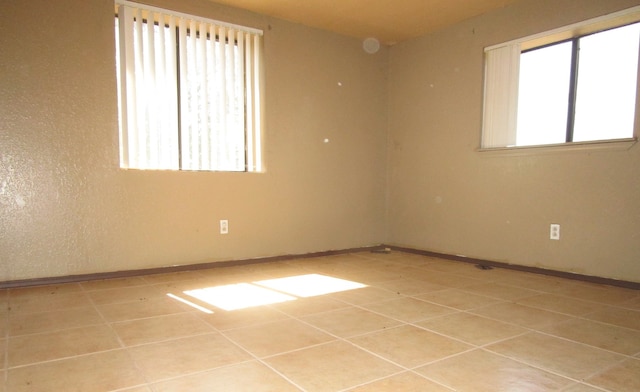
(386, 20)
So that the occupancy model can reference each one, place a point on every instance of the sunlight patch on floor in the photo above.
(310, 285)
(187, 302)
(238, 296)
(264, 292)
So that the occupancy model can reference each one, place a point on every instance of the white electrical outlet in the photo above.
(554, 231)
(224, 226)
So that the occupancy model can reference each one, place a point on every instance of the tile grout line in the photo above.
(348, 305)
(260, 360)
(601, 371)
(402, 324)
(298, 318)
(122, 345)
(550, 371)
(336, 338)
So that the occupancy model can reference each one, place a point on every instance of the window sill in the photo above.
(598, 145)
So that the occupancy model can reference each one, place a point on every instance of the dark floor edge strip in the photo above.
(232, 263)
(523, 268)
(176, 268)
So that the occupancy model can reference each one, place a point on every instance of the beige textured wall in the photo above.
(446, 197)
(66, 208)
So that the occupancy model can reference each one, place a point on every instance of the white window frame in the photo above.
(500, 103)
(160, 129)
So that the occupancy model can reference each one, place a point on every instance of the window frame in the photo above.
(251, 74)
(503, 118)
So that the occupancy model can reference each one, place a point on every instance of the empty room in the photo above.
(313, 195)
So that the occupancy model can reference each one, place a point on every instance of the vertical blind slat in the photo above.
(501, 96)
(256, 112)
(189, 108)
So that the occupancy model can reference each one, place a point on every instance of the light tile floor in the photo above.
(414, 323)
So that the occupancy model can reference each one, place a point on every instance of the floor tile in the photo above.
(443, 278)
(405, 382)
(40, 291)
(350, 321)
(281, 269)
(124, 294)
(180, 357)
(479, 371)
(277, 337)
(48, 302)
(422, 323)
(463, 269)
(500, 291)
(179, 287)
(581, 388)
(172, 277)
(524, 316)
(617, 316)
(561, 304)
(623, 377)
(605, 336)
(29, 323)
(331, 367)
(472, 329)
(224, 320)
(28, 349)
(4, 300)
(557, 355)
(306, 306)
(366, 275)
(4, 323)
(531, 281)
(405, 259)
(142, 388)
(3, 356)
(249, 376)
(597, 293)
(409, 286)
(389, 271)
(364, 295)
(631, 304)
(156, 329)
(104, 284)
(141, 308)
(408, 309)
(105, 371)
(409, 346)
(456, 298)
(345, 270)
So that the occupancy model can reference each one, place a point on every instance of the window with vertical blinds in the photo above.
(575, 84)
(189, 92)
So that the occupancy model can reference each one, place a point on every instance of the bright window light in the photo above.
(574, 84)
(605, 91)
(542, 100)
(607, 103)
(310, 285)
(265, 292)
(238, 296)
(187, 302)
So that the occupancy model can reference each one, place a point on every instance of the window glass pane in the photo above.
(184, 93)
(543, 95)
(214, 137)
(606, 98)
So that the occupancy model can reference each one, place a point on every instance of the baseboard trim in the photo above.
(535, 270)
(164, 270)
(232, 263)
